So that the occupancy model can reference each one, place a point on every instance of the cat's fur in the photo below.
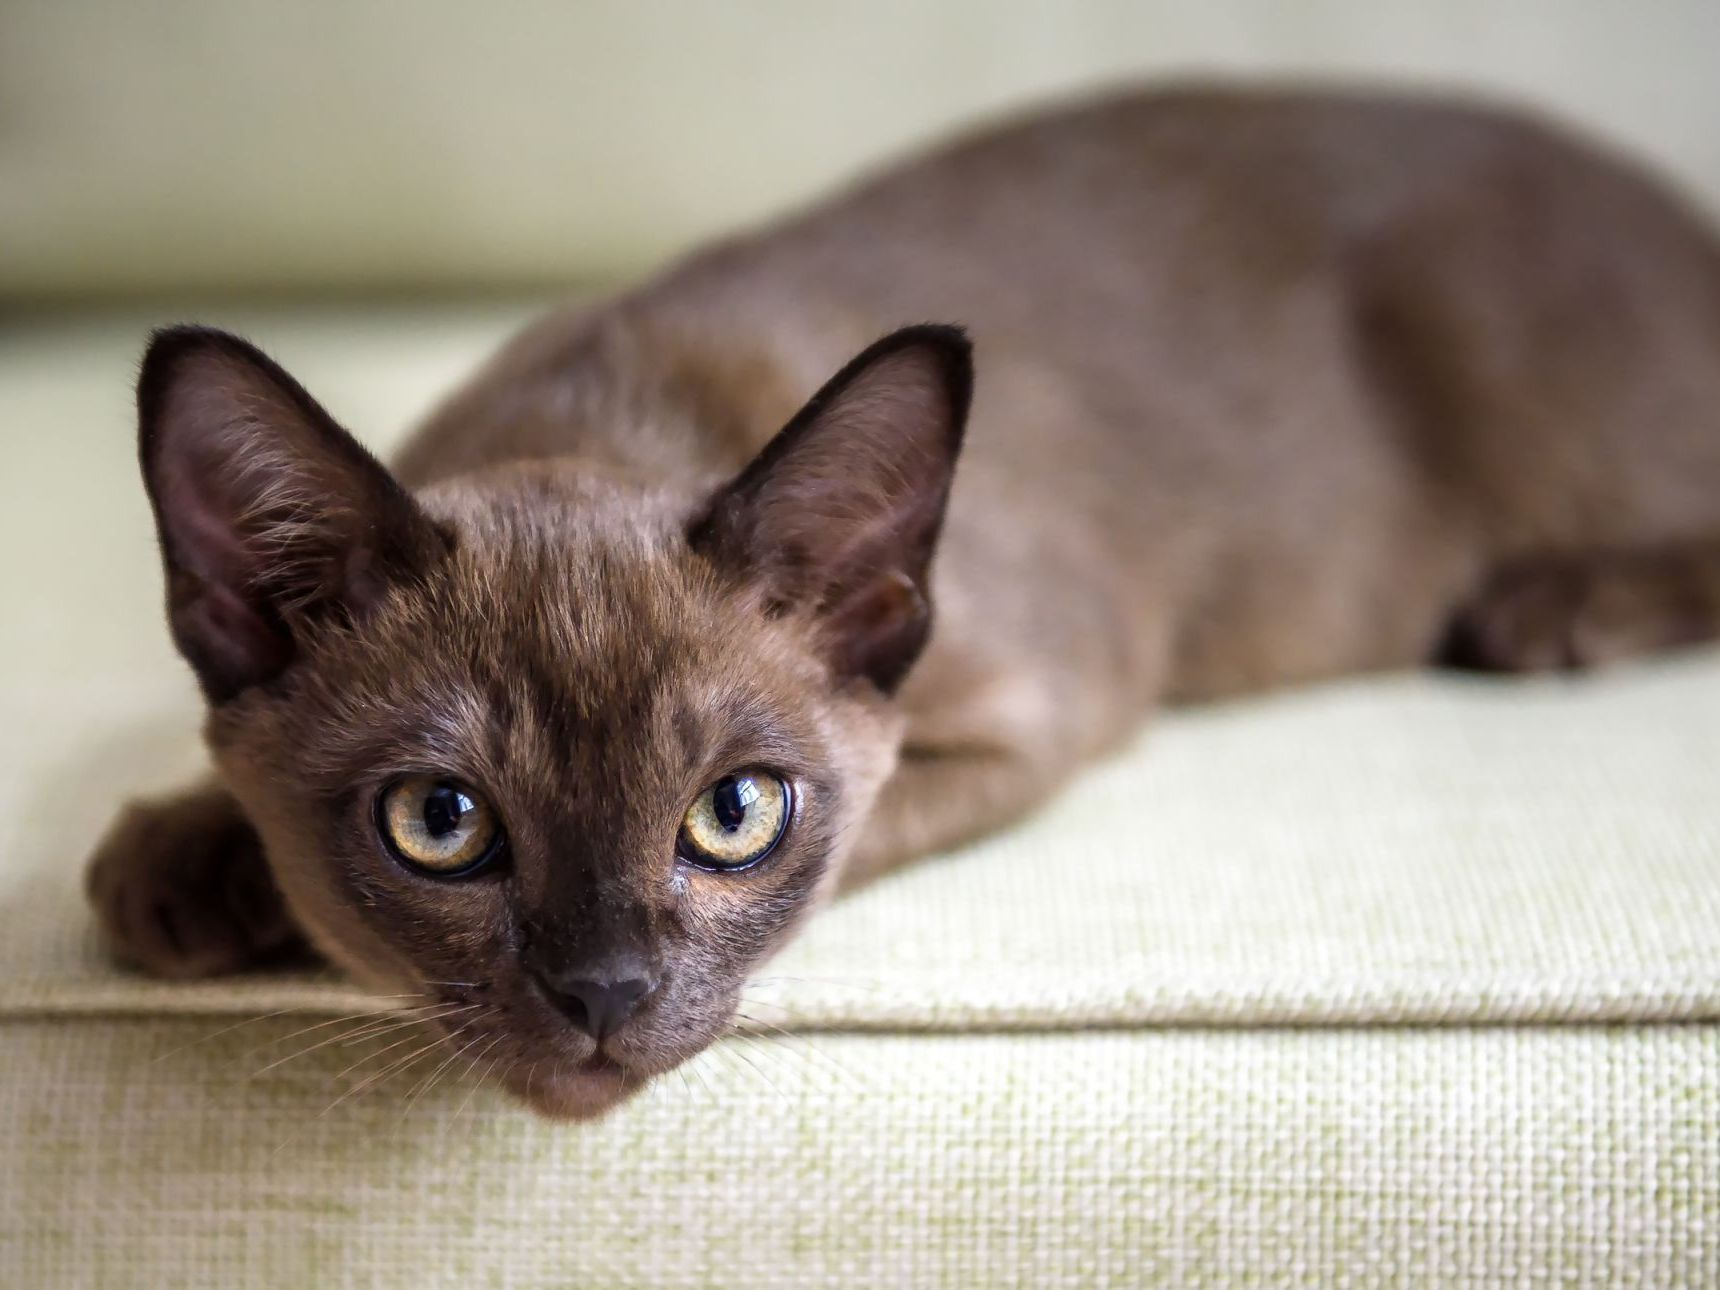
(1271, 387)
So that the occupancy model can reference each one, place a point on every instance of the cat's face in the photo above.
(565, 754)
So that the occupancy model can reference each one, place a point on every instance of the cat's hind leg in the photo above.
(182, 890)
(1583, 610)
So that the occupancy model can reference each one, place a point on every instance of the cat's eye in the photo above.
(737, 821)
(438, 826)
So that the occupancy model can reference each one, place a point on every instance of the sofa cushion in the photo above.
(1414, 848)
(156, 1152)
(1312, 977)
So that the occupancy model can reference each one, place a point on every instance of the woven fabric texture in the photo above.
(1366, 1157)
(1403, 979)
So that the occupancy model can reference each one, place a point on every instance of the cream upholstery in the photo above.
(1408, 980)
(1404, 975)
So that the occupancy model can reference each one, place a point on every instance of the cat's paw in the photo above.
(1523, 620)
(1588, 612)
(182, 890)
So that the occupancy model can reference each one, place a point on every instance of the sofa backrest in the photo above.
(151, 145)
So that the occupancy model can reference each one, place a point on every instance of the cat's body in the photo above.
(1270, 387)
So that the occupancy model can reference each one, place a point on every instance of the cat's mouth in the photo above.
(580, 1090)
(556, 1071)
(600, 1064)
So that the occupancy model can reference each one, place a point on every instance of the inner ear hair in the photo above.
(270, 515)
(839, 515)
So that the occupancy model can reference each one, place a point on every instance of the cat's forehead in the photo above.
(568, 560)
(600, 605)
(596, 643)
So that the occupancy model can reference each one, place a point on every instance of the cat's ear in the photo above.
(839, 514)
(271, 517)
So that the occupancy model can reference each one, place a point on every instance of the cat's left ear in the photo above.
(840, 513)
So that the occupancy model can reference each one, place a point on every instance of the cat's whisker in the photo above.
(733, 1049)
(798, 1013)
(476, 1083)
(371, 1029)
(870, 987)
(361, 1021)
(686, 1084)
(411, 1027)
(807, 1044)
(437, 1041)
(489, 1071)
(399, 1072)
(365, 1017)
(808, 1025)
(780, 1054)
(281, 1039)
(370, 1056)
(531, 1075)
(367, 1083)
(419, 1089)
(802, 1043)
(464, 1049)
(688, 1072)
(372, 1080)
(355, 1028)
(695, 1068)
(237, 1025)
(817, 1062)
(452, 1057)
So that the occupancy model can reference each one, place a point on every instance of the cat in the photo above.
(569, 720)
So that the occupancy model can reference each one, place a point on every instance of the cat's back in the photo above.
(1286, 367)
(1251, 362)
(1141, 210)
(1155, 256)
(1166, 277)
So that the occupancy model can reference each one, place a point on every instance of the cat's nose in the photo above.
(598, 1003)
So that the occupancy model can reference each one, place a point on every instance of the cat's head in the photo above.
(565, 753)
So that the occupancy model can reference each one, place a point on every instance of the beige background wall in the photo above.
(308, 145)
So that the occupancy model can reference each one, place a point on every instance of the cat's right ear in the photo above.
(271, 517)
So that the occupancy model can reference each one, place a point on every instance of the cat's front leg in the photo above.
(182, 889)
(937, 799)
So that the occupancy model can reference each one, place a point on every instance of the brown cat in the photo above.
(635, 662)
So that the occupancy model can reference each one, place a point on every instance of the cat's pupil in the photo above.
(444, 807)
(730, 799)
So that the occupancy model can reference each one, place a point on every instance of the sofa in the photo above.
(1407, 979)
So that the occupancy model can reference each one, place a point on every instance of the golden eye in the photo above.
(736, 821)
(438, 826)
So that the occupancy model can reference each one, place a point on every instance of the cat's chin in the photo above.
(575, 1091)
